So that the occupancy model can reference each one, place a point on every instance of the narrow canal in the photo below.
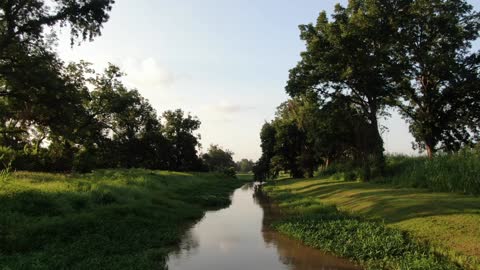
(239, 238)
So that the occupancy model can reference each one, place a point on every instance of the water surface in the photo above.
(239, 238)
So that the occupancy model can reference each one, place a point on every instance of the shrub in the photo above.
(230, 172)
(7, 156)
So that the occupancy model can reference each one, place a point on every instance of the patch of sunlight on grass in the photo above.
(449, 221)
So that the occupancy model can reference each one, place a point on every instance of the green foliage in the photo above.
(230, 172)
(244, 165)
(438, 87)
(369, 242)
(7, 156)
(447, 222)
(179, 131)
(345, 62)
(307, 133)
(110, 219)
(263, 167)
(109, 126)
(457, 172)
(103, 124)
(219, 160)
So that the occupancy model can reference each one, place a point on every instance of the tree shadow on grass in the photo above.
(394, 205)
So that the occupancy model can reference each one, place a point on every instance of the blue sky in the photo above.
(225, 61)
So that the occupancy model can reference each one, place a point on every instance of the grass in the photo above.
(446, 223)
(110, 219)
(458, 172)
(247, 177)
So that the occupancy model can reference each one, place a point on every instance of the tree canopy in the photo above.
(370, 56)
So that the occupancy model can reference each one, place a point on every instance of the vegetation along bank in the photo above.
(109, 219)
(380, 226)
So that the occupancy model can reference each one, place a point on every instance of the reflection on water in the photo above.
(238, 237)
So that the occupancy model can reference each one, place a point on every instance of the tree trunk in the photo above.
(430, 150)
(378, 151)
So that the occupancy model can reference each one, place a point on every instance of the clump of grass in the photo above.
(110, 219)
(370, 243)
(459, 172)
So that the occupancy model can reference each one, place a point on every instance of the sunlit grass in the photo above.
(448, 222)
(110, 219)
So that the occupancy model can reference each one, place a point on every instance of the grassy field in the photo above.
(111, 219)
(448, 222)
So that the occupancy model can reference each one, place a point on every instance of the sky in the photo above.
(225, 61)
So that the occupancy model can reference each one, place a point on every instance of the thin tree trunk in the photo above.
(430, 150)
(378, 154)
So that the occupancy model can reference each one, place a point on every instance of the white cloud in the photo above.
(226, 107)
(147, 74)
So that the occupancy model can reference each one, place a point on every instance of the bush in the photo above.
(7, 156)
(230, 172)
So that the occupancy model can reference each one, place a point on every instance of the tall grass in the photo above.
(459, 172)
(110, 219)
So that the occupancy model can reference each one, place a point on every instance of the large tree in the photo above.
(263, 167)
(25, 22)
(245, 165)
(129, 125)
(439, 91)
(179, 130)
(33, 89)
(349, 57)
(217, 159)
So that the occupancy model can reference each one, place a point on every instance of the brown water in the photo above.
(238, 237)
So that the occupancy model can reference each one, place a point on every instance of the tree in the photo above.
(263, 169)
(129, 125)
(217, 159)
(292, 150)
(24, 21)
(439, 90)
(245, 165)
(179, 131)
(33, 88)
(24, 46)
(349, 57)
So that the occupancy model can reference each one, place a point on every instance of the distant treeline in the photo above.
(67, 117)
(371, 57)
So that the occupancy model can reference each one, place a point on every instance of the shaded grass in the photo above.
(245, 176)
(110, 219)
(448, 223)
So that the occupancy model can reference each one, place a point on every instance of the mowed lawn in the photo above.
(450, 222)
(110, 219)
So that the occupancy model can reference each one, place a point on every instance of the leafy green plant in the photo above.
(368, 242)
(7, 156)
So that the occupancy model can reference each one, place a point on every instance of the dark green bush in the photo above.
(230, 172)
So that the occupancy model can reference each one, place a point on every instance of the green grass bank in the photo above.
(381, 226)
(454, 172)
(110, 219)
